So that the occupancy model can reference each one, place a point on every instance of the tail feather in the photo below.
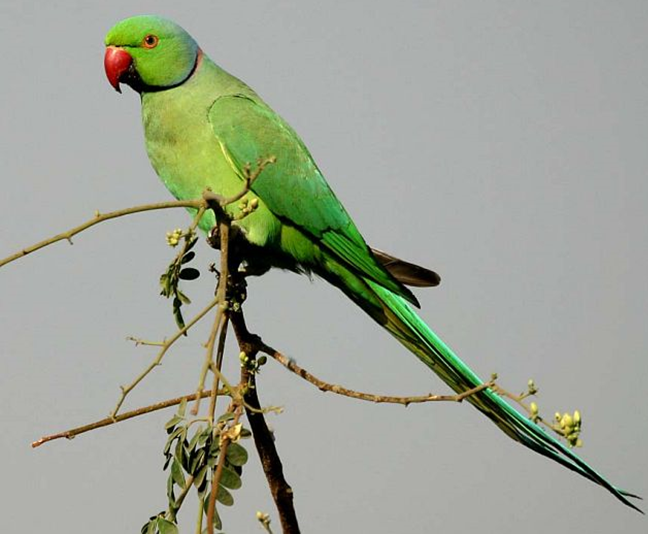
(402, 322)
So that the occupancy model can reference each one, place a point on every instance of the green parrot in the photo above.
(202, 126)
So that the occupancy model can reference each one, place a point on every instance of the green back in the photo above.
(293, 188)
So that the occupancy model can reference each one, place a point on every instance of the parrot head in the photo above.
(149, 53)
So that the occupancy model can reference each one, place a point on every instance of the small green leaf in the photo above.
(200, 477)
(166, 527)
(197, 460)
(214, 448)
(191, 244)
(149, 527)
(164, 284)
(204, 436)
(188, 257)
(236, 454)
(179, 448)
(218, 524)
(170, 494)
(194, 439)
(177, 314)
(177, 432)
(173, 422)
(184, 298)
(224, 497)
(189, 274)
(227, 416)
(184, 457)
(177, 475)
(183, 407)
(166, 461)
(230, 479)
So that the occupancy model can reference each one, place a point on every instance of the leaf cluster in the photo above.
(192, 458)
(177, 271)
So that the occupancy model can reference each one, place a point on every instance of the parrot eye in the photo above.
(150, 41)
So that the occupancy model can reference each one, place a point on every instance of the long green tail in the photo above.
(402, 322)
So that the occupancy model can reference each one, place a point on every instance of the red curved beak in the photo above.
(116, 63)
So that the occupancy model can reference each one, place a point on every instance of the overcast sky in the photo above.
(502, 143)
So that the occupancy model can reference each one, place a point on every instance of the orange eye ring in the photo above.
(150, 41)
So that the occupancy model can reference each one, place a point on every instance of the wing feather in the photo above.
(293, 188)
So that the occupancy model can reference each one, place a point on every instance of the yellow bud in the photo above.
(557, 416)
(264, 519)
(254, 203)
(567, 421)
(534, 408)
(577, 417)
(173, 237)
(243, 357)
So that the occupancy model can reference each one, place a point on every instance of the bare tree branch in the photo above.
(73, 432)
(371, 397)
(281, 491)
(99, 218)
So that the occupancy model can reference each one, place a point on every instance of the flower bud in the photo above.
(567, 421)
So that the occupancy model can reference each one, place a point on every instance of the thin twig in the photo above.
(73, 432)
(221, 298)
(201, 513)
(98, 218)
(171, 515)
(167, 345)
(519, 400)
(249, 176)
(209, 356)
(218, 472)
(145, 342)
(219, 364)
(371, 397)
(190, 233)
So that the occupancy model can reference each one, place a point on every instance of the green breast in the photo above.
(185, 152)
(179, 139)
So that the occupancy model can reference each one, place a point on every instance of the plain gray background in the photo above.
(501, 143)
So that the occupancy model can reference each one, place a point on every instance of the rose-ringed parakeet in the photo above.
(202, 126)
